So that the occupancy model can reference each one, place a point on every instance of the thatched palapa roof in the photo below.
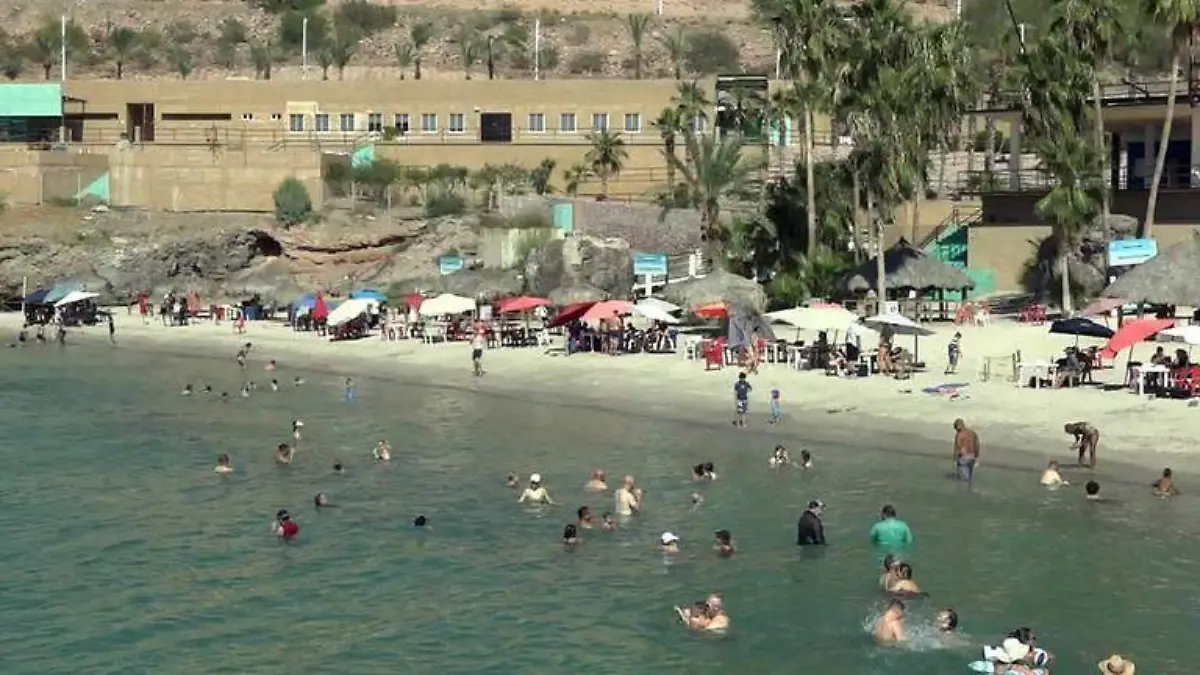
(1172, 277)
(906, 268)
(568, 295)
(716, 287)
(471, 283)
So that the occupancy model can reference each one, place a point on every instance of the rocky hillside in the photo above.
(223, 38)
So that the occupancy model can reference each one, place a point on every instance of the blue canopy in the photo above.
(60, 291)
(306, 301)
(1081, 327)
(368, 294)
(37, 297)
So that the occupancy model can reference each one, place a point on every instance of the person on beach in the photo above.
(350, 389)
(224, 464)
(284, 527)
(284, 453)
(1087, 437)
(741, 400)
(583, 517)
(966, 451)
(382, 452)
(810, 531)
(297, 425)
(888, 629)
(891, 533)
(607, 522)
(112, 331)
(478, 344)
(1165, 486)
(512, 482)
(320, 501)
(570, 536)
(724, 543)
(1051, 478)
(628, 498)
(596, 482)
(668, 543)
(535, 493)
(953, 354)
(776, 411)
(704, 472)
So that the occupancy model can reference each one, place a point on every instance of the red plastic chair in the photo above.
(966, 311)
(1033, 313)
(714, 354)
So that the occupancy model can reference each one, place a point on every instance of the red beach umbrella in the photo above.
(320, 312)
(716, 310)
(1132, 333)
(521, 303)
(414, 300)
(605, 309)
(569, 313)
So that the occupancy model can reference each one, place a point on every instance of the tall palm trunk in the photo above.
(941, 181)
(809, 181)
(1161, 161)
(972, 127)
(669, 146)
(876, 228)
(915, 220)
(856, 223)
(1064, 274)
(714, 248)
(1098, 113)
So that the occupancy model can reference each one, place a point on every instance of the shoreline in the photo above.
(869, 413)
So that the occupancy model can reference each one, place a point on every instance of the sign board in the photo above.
(1131, 251)
(650, 264)
(564, 217)
(449, 264)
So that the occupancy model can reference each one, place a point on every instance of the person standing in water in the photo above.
(284, 453)
(891, 533)
(535, 493)
(776, 411)
(383, 452)
(1165, 486)
(112, 331)
(810, 531)
(1087, 437)
(284, 527)
(966, 451)
(596, 483)
(224, 464)
(628, 498)
(741, 400)
(351, 389)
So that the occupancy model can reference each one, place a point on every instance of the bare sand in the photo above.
(1141, 431)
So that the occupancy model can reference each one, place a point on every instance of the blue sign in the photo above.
(650, 264)
(449, 264)
(1131, 251)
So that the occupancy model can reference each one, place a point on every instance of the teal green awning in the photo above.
(31, 100)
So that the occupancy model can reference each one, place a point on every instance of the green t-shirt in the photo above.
(891, 533)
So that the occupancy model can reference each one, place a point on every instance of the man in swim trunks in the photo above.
(809, 530)
(1087, 437)
(889, 627)
(478, 344)
(966, 451)
(1165, 486)
(741, 400)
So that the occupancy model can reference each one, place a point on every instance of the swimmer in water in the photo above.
(535, 493)
(780, 458)
(668, 543)
(297, 425)
(724, 543)
(245, 390)
(270, 366)
(703, 472)
(1051, 478)
(1165, 486)
(607, 522)
(708, 616)
(338, 468)
(596, 482)
(284, 527)
(383, 452)
(628, 497)
(903, 585)
(1093, 491)
(322, 502)
(208, 389)
(805, 459)
(890, 562)
(570, 536)
(284, 453)
(419, 521)
(697, 500)
(584, 516)
(351, 390)
(297, 381)
(274, 384)
(888, 629)
(187, 390)
(224, 464)
(512, 482)
(947, 621)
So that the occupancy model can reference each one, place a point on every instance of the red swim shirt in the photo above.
(290, 529)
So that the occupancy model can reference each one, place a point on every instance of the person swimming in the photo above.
(607, 522)
(708, 616)
(1165, 486)
(224, 464)
(274, 384)
(570, 535)
(535, 493)
(297, 381)
(903, 584)
(805, 459)
(947, 620)
(284, 453)
(337, 467)
(1092, 488)
(697, 500)
(1051, 478)
(297, 425)
(187, 390)
(779, 458)
(383, 452)
(284, 527)
(888, 629)
(890, 561)
(704, 472)
(584, 516)
(419, 521)
(270, 366)
(669, 543)
(724, 543)
(512, 482)
(322, 502)
(596, 483)
(245, 391)
(208, 389)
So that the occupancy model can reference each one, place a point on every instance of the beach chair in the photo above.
(714, 354)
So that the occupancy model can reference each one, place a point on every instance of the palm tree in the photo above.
(715, 171)
(1076, 164)
(670, 123)
(263, 55)
(420, 35)
(325, 61)
(468, 48)
(44, 48)
(574, 177)
(341, 47)
(183, 61)
(405, 56)
(122, 42)
(606, 157)
(786, 105)
(675, 44)
(1181, 18)
(689, 98)
(637, 25)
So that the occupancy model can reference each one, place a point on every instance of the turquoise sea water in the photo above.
(123, 553)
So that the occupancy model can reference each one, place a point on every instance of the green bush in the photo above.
(291, 30)
(509, 14)
(708, 52)
(292, 203)
(368, 17)
(587, 63)
(529, 242)
(580, 34)
(441, 202)
(281, 6)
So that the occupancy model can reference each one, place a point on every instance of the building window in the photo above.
(296, 122)
(633, 123)
(275, 117)
(347, 122)
(429, 123)
(401, 123)
(458, 123)
(699, 123)
(375, 123)
(566, 122)
(537, 122)
(599, 121)
(247, 117)
(321, 122)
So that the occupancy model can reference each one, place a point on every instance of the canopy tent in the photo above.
(815, 318)
(1134, 332)
(368, 294)
(1081, 327)
(570, 295)
(60, 291)
(663, 305)
(447, 303)
(37, 297)
(74, 297)
(717, 286)
(305, 302)
(654, 313)
(1171, 278)
(349, 311)
(906, 268)
(608, 308)
(570, 313)
(521, 303)
(1189, 335)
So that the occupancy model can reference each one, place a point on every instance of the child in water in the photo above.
(1051, 478)
(776, 413)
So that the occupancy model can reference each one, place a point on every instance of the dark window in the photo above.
(495, 127)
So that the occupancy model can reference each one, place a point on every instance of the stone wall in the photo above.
(644, 226)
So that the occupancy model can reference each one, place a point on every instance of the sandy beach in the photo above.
(1142, 431)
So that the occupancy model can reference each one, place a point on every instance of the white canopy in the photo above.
(821, 317)
(349, 311)
(1189, 335)
(75, 296)
(657, 303)
(900, 324)
(447, 303)
(654, 313)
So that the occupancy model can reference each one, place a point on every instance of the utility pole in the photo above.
(62, 47)
(304, 49)
(537, 48)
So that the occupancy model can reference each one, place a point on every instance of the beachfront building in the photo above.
(995, 240)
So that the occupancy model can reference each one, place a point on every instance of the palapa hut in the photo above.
(1170, 278)
(577, 293)
(907, 268)
(715, 287)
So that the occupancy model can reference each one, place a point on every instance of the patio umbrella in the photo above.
(74, 297)
(349, 310)
(570, 313)
(319, 310)
(815, 318)
(606, 309)
(717, 286)
(569, 295)
(522, 303)
(1189, 334)
(368, 294)
(654, 313)
(1081, 327)
(716, 310)
(1134, 332)
(447, 303)
(1103, 306)
(663, 305)
(37, 297)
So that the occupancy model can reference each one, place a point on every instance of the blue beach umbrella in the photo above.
(60, 291)
(368, 294)
(1081, 327)
(37, 297)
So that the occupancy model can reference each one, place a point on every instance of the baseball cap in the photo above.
(668, 538)
(535, 478)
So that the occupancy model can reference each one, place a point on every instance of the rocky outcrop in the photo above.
(1087, 262)
(605, 264)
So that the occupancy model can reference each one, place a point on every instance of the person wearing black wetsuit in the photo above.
(810, 531)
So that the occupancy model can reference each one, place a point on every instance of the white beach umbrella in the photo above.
(74, 297)
(654, 313)
(447, 303)
(817, 318)
(349, 311)
(900, 324)
(1189, 335)
(659, 303)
